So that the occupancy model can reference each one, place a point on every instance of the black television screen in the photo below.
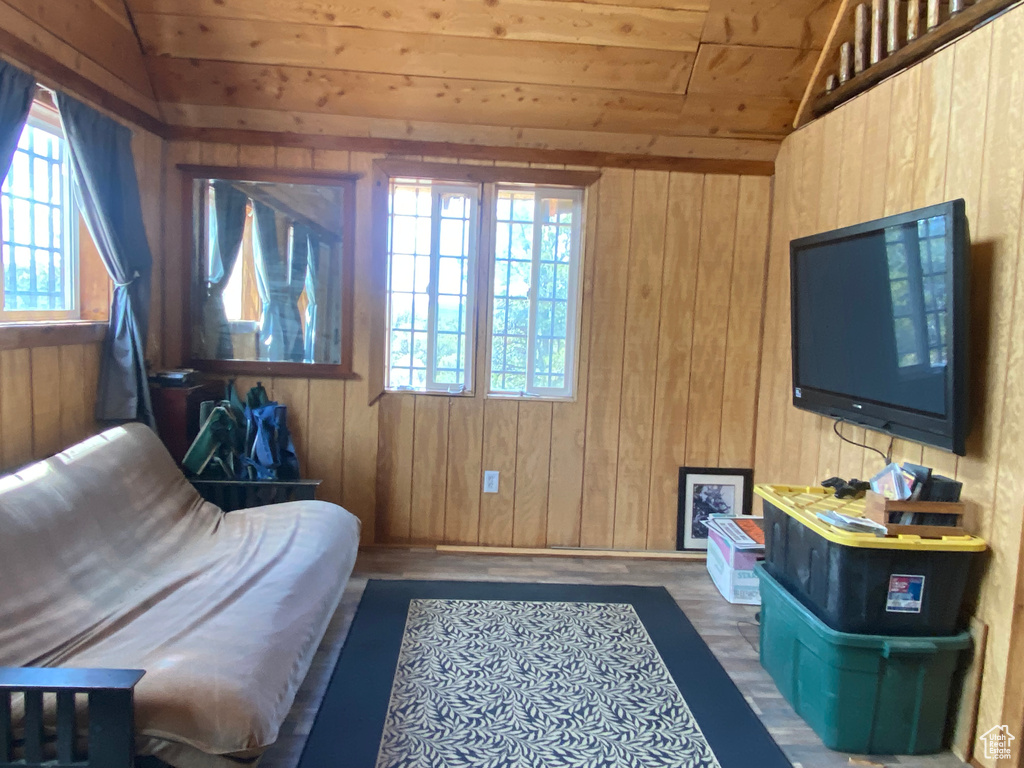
(879, 321)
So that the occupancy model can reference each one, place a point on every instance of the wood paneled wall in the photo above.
(670, 341)
(668, 376)
(952, 126)
(47, 399)
(335, 432)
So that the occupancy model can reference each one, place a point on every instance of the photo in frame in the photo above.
(705, 491)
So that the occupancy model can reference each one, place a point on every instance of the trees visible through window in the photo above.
(536, 260)
(432, 233)
(532, 267)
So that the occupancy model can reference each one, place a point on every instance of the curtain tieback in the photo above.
(134, 277)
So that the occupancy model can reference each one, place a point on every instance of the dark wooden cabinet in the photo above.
(176, 410)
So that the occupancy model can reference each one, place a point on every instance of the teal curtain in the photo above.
(108, 192)
(312, 277)
(229, 206)
(272, 278)
(295, 341)
(17, 89)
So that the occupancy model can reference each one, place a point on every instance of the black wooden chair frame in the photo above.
(111, 736)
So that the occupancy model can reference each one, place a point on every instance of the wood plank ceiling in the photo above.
(732, 69)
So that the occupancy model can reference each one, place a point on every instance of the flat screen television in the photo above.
(880, 324)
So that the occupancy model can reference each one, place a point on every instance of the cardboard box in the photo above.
(733, 549)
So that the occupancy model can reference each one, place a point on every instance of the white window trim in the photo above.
(472, 193)
(567, 392)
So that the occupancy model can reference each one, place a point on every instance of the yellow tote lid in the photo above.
(803, 503)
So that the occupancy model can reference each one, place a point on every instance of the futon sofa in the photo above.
(110, 559)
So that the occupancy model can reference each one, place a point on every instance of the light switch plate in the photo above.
(491, 481)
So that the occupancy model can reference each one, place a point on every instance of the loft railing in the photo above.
(871, 41)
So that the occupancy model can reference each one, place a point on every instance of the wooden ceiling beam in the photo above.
(405, 53)
(580, 158)
(344, 127)
(536, 20)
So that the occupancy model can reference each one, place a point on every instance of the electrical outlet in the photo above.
(491, 481)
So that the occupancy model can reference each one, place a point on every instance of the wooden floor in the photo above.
(729, 630)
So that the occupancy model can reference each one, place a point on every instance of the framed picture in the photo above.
(705, 491)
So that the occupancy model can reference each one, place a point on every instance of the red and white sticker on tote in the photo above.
(905, 594)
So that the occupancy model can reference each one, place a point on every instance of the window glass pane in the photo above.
(556, 261)
(430, 229)
(37, 258)
(535, 262)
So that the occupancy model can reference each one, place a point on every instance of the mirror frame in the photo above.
(342, 370)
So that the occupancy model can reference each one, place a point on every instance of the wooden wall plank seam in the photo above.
(640, 359)
(677, 306)
(710, 326)
(744, 336)
(609, 300)
(569, 420)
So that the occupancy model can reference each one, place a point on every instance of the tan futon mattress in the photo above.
(109, 558)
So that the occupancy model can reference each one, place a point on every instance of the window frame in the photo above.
(479, 346)
(574, 300)
(190, 174)
(438, 188)
(43, 116)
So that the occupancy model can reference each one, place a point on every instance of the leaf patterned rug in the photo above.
(487, 675)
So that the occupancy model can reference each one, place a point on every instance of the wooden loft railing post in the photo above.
(872, 49)
(877, 30)
(860, 38)
(913, 19)
(893, 12)
(845, 65)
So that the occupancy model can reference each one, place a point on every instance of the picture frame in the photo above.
(710, 490)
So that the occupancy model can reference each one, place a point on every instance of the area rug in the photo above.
(439, 674)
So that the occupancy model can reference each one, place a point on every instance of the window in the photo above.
(529, 258)
(536, 266)
(41, 231)
(432, 237)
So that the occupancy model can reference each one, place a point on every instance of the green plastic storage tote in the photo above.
(867, 694)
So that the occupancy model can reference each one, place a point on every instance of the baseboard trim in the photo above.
(570, 552)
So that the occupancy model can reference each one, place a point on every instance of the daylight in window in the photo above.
(529, 314)
(39, 227)
(536, 271)
(432, 236)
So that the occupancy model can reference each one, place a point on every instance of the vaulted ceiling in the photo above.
(727, 68)
(680, 77)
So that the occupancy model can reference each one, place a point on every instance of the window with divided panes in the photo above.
(42, 236)
(530, 255)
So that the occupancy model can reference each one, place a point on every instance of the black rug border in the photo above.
(369, 657)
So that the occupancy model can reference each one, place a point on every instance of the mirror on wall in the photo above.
(271, 272)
